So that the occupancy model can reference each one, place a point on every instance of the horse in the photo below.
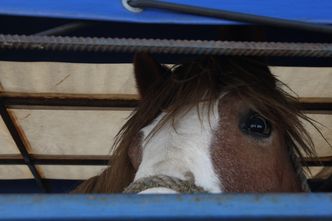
(226, 124)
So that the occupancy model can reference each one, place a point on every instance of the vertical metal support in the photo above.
(21, 146)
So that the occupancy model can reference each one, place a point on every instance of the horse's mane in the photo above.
(206, 79)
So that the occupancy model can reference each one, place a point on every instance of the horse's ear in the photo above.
(148, 72)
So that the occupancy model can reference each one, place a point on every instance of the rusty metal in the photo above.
(167, 46)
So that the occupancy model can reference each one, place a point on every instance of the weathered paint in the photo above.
(170, 207)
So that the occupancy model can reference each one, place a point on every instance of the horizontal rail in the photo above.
(313, 104)
(228, 15)
(45, 159)
(321, 161)
(84, 101)
(70, 101)
(167, 207)
(164, 46)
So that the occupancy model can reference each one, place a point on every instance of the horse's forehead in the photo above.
(203, 112)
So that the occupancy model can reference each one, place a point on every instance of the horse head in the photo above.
(223, 123)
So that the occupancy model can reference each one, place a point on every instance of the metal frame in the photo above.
(43, 101)
(21, 145)
(167, 207)
(141, 207)
(58, 101)
(164, 46)
(42, 159)
(102, 160)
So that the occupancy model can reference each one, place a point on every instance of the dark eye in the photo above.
(256, 126)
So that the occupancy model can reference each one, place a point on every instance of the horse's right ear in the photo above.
(148, 72)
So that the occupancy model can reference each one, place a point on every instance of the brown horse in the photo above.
(223, 122)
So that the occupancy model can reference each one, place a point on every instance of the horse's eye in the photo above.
(256, 126)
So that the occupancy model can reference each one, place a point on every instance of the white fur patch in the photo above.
(175, 151)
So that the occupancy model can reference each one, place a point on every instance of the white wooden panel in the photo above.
(58, 77)
(322, 147)
(7, 145)
(71, 132)
(14, 172)
(306, 81)
(69, 172)
(54, 77)
(323, 173)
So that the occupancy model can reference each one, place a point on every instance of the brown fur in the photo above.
(205, 79)
(249, 164)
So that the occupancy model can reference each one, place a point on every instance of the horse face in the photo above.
(225, 147)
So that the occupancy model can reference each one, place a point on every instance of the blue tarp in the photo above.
(113, 10)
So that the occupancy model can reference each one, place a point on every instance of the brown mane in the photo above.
(205, 79)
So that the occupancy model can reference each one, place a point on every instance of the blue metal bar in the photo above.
(170, 207)
(113, 10)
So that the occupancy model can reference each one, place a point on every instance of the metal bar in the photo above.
(167, 207)
(63, 29)
(12, 128)
(43, 159)
(314, 104)
(11, 159)
(70, 160)
(75, 101)
(69, 102)
(321, 161)
(164, 46)
(36, 101)
(230, 15)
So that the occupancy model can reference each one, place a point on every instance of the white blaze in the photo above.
(175, 151)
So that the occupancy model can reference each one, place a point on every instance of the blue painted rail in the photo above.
(170, 207)
(113, 10)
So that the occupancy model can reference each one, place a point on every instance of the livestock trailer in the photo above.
(66, 87)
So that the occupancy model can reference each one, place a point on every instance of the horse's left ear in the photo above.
(148, 72)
